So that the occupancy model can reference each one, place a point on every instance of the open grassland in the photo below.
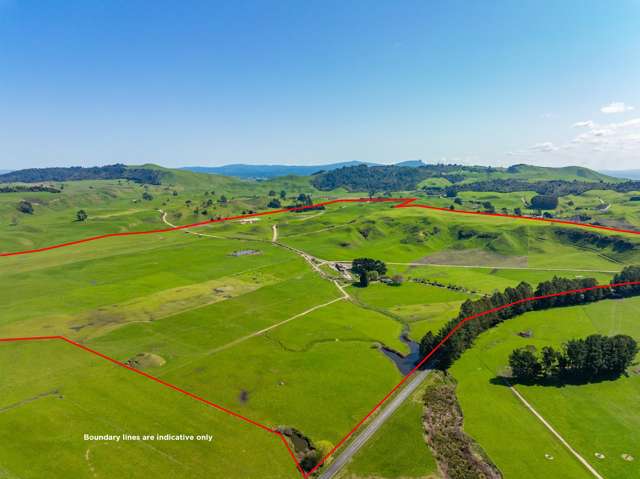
(198, 311)
(594, 418)
(322, 383)
(48, 405)
(90, 286)
(319, 373)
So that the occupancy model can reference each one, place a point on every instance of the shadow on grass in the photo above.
(555, 381)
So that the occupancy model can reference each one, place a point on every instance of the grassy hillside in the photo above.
(124, 205)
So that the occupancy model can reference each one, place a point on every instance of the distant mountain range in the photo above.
(269, 171)
(272, 171)
(630, 174)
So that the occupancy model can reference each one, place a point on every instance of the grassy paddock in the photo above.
(593, 418)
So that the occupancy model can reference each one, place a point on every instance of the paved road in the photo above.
(365, 434)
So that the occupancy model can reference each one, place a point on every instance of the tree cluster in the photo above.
(368, 269)
(305, 203)
(544, 202)
(25, 207)
(592, 358)
(28, 189)
(619, 244)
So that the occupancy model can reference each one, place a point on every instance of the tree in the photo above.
(364, 279)
(373, 275)
(223, 199)
(397, 279)
(517, 211)
(304, 200)
(283, 195)
(544, 202)
(147, 196)
(623, 349)
(272, 193)
(81, 215)
(524, 364)
(274, 203)
(25, 207)
(549, 361)
(488, 207)
(628, 274)
(427, 343)
(368, 264)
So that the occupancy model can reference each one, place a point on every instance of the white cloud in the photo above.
(544, 147)
(616, 107)
(612, 145)
(583, 124)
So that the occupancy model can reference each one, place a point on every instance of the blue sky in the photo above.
(207, 83)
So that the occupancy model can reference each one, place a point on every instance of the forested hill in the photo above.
(375, 179)
(108, 172)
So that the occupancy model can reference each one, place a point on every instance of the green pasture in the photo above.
(593, 418)
(48, 405)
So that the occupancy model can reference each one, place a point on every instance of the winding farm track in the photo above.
(404, 203)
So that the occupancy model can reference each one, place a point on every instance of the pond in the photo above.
(404, 363)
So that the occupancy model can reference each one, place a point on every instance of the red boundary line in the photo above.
(371, 412)
(404, 203)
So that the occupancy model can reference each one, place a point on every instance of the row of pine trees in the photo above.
(488, 311)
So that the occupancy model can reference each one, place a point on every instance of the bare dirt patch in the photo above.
(474, 257)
